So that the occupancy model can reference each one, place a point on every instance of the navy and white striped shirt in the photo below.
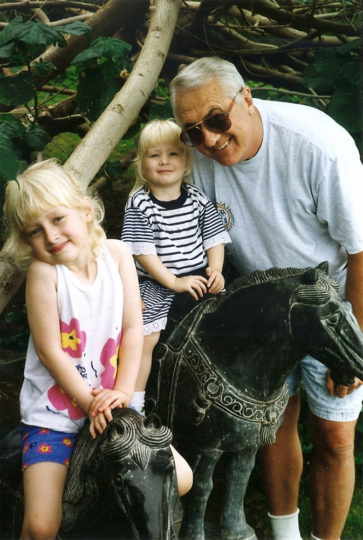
(179, 232)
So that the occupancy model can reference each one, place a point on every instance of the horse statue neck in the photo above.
(246, 334)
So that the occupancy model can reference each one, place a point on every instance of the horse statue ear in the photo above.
(324, 267)
(153, 421)
(309, 277)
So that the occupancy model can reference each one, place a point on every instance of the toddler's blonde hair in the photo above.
(39, 188)
(152, 134)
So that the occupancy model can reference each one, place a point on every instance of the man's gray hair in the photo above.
(202, 72)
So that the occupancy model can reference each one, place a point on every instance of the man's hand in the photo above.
(340, 390)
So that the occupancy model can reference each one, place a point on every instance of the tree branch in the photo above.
(27, 5)
(267, 8)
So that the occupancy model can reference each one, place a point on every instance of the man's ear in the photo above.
(246, 93)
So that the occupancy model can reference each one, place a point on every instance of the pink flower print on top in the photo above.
(61, 401)
(73, 338)
(109, 357)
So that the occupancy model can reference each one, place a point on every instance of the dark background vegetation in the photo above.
(304, 51)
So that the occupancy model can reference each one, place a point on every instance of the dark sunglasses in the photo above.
(217, 122)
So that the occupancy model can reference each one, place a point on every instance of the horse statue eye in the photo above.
(119, 480)
(334, 319)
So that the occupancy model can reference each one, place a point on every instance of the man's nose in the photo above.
(210, 137)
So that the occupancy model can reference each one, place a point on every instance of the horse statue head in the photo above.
(324, 325)
(127, 477)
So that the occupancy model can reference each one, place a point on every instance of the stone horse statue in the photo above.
(218, 376)
(122, 485)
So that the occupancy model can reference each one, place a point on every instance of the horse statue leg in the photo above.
(237, 470)
(195, 502)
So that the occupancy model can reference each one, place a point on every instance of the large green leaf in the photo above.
(16, 90)
(9, 163)
(6, 50)
(76, 28)
(39, 34)
(42, 68)
(20, 42)
(114, 49)
(10, 31)
(36, 137)
(10, 126)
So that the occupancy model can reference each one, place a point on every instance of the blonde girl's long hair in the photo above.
(39, 188)
(152, 134)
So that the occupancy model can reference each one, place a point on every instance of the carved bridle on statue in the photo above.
(213, 388)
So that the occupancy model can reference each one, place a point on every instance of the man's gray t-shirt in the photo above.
(298, 201)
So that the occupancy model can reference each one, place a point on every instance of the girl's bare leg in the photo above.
(183, 471)
(43, 493)
(184, 474)
(149, 343)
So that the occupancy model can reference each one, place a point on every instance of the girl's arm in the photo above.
(43, 317)
(215, 257)
(132, 325)
(132, 338)
(195, 285)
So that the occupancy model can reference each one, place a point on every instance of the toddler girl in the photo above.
(174, 232)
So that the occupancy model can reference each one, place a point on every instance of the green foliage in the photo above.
(99, 74)
(11, 130)
(337, 71)
(20, 44)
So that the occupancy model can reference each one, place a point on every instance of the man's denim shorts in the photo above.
(42, 444)
(313, 374)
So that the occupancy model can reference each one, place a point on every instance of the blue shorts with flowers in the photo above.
(43, 444)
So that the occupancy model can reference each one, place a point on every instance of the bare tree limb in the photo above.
(304, 22)
(26, 5)
(262, 24)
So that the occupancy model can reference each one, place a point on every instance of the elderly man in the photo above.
(288, 182)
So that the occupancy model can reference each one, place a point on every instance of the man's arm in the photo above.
(354, 285)
(353, 293)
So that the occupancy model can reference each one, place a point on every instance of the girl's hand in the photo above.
(105, 400)
(215, 282)
(194, 285)
(98, 424)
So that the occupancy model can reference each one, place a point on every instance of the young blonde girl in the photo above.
(174, 232)
(85, 320)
